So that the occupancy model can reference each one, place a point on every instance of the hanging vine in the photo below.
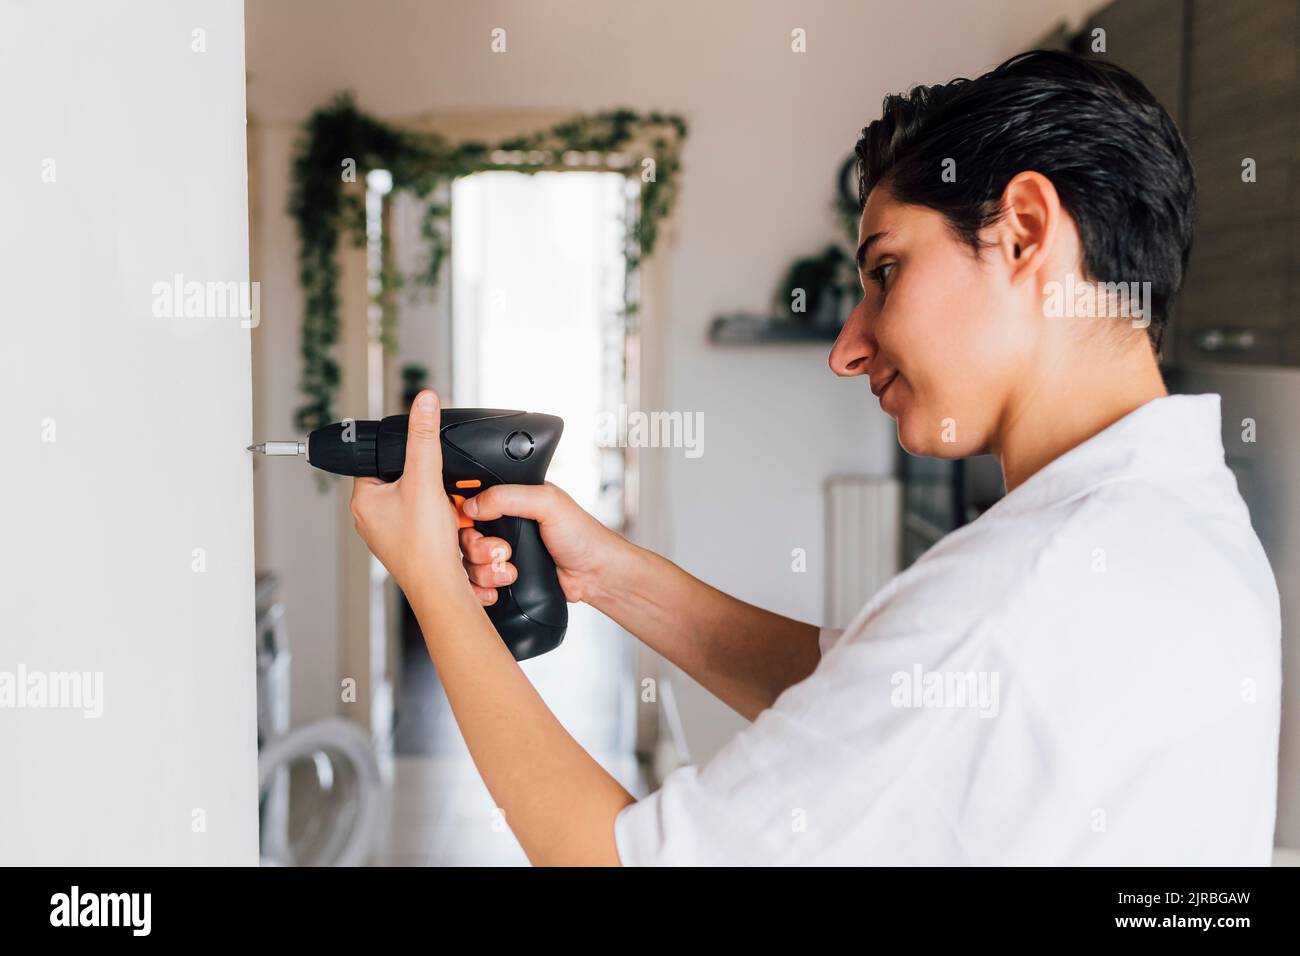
(340, 144)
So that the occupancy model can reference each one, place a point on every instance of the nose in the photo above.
(854, 346)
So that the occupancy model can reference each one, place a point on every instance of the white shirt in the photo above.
(1116, 625)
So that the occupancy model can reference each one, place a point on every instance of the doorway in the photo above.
(538, 277)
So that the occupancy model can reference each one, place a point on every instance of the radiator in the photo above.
(863, 542)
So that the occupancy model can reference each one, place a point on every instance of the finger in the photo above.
(423, 445)
(485, 550)
(491, 575)
(486, 596)
(522, 501)
(467, 538)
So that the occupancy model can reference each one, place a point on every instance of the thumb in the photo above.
(423, 444)
(520, 501)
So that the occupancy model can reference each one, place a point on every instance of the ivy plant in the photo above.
(340, 143)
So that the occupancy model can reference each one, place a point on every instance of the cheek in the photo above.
(951, 333)
(928, 327)
(927, 332)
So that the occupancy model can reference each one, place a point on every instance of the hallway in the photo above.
(439, 811)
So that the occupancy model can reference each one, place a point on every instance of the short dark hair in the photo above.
(1116, 158)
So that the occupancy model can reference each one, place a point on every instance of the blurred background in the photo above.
(594, 209)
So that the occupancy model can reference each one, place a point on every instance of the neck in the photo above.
(1066, 406)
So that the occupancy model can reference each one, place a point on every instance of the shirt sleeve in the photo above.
(729, 812)
(773, 795)
(828, 775)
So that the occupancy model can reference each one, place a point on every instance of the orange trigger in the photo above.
(461, 521)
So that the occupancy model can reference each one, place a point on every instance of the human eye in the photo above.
(881, 273)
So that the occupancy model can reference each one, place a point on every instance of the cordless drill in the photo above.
(481, 447)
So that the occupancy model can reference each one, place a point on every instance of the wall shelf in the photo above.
(744, 329)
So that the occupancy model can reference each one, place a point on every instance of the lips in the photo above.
(878, 388)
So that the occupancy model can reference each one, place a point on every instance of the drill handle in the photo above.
(531, 614)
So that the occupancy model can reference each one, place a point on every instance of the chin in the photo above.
(913, 443)
(925, 441)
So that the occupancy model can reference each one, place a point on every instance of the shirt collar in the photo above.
(1171, 435)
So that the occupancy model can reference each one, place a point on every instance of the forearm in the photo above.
(558, 801)
(745, 655)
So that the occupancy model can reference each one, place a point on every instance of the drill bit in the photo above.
(279, 448)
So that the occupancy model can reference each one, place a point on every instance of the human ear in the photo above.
(1030, 220)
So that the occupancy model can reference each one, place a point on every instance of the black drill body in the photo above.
(481, 447)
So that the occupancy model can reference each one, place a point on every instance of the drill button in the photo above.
(519, 445)
(457, 501)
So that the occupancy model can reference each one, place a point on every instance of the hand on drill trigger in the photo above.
(580, 546)
(410, 525)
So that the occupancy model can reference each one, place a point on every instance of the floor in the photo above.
(439, 811)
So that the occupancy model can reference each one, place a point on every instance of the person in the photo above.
(1089, 673)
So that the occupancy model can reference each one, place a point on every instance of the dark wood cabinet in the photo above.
(1239, 302)
(1229, 74)
(1241, 104)
(1147, 38)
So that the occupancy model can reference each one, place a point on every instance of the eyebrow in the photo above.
(867, 243)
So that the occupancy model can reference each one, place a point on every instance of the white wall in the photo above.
(149, 418)
(298, 527)
(769, 129)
